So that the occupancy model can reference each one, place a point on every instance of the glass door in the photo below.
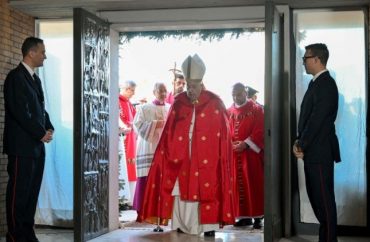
(344, 34)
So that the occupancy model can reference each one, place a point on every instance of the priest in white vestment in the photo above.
(148, 124)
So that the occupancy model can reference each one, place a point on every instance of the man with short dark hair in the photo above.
(317, 143)
(27, 128)
(178, 87)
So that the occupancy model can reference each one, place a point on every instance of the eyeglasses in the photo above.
(304, 58)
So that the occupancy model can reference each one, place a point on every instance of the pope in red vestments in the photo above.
(247, 130)
(193, 160)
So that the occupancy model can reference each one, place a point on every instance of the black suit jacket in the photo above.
(316, 129)
(26, 120)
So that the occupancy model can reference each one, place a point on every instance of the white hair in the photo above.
(128, 84)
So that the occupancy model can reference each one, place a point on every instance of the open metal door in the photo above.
(91, 125)
(273, 122)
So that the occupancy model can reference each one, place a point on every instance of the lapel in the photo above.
(307, 94)
(37, 81)
(34, 83)
(307, 101)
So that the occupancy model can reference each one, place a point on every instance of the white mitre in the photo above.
(193, 68)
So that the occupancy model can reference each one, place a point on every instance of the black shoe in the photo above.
(179, 231)
(31, 235)
(257, 223)
(243, 222)
(209, 233)
(32, 238)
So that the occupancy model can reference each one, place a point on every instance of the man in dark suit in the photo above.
(317, 143)
(27, 128)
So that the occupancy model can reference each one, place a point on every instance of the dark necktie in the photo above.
(39, 87)
(36, 78)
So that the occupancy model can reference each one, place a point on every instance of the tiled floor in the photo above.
(141, 235)
(145, 234)
(135, 232)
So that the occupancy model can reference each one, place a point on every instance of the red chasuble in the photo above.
(127, 114)
(247, 122)
(206, 177)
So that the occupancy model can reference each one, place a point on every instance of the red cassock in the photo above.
(247, 121)
(206, 177)
(127, 114)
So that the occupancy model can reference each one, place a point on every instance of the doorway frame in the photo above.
(131, 21)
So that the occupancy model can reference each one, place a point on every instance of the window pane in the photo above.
(55, 205)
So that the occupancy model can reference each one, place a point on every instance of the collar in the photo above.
(29, 69)
(318, 74)
(123, 98)
(158, 103)
(238, 106)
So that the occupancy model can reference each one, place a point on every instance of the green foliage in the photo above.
(204, 34)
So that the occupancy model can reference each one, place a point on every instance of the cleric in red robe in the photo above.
(127, 114)
(191, 177)
(247, 130)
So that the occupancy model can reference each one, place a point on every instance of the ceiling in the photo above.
(63, 8)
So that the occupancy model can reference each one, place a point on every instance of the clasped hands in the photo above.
(48, 136)
(297, 151)
(125, 129)
(239, 146)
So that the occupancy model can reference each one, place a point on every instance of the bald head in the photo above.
(160, 91)
(239, 94)
(238, 86)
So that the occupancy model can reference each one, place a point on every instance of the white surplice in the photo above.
(145, 125)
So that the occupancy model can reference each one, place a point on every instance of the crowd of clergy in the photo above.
(188, 159)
